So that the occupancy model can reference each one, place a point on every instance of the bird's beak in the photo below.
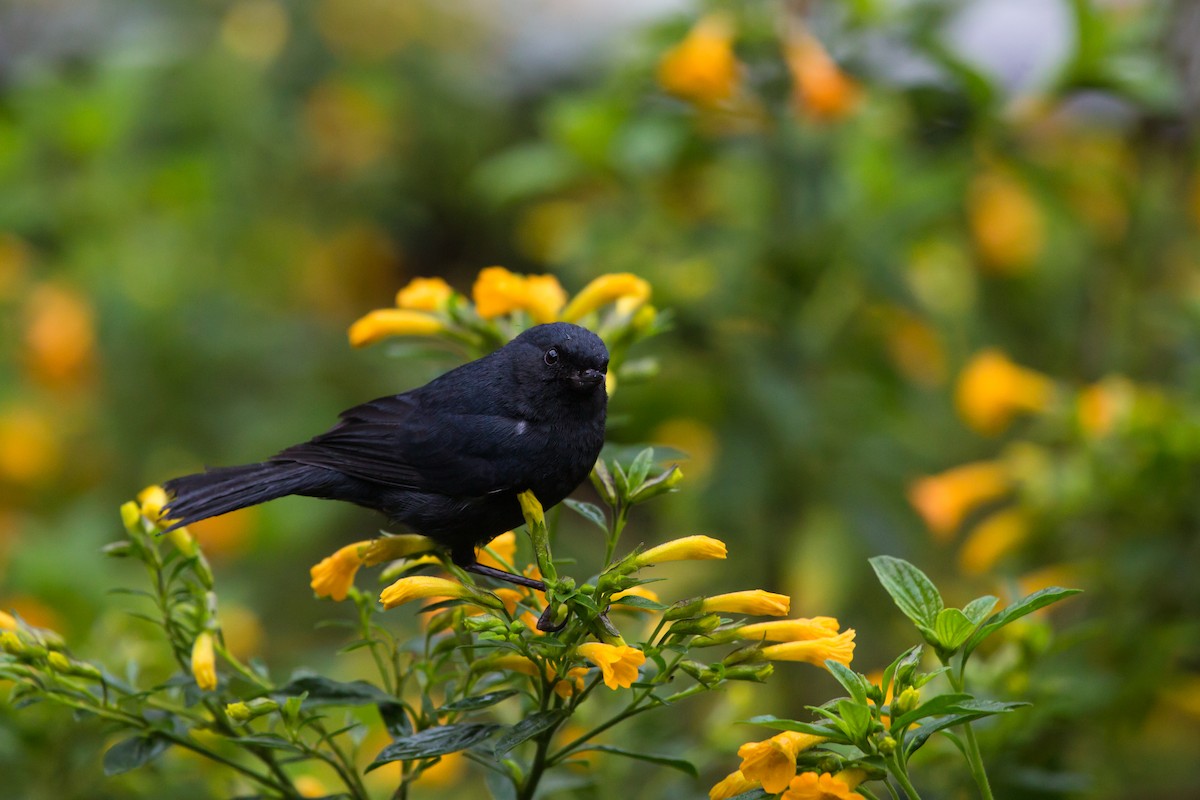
(587, 378)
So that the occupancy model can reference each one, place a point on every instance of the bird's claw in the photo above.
(546, 622)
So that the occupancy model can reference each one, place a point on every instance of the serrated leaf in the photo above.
(133, 752)
(531, 726)
(911, 590)
(1026, 605)
(680, 764)
(589, 511)
(433, 742)
(952, 628)
(478, 701)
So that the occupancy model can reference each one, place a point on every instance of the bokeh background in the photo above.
(896, 237)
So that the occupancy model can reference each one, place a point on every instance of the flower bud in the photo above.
(750, 672)
(907, 701)
(684, 609)
(697, 626)
(59, 662)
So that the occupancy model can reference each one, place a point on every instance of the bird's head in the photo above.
(564, 355)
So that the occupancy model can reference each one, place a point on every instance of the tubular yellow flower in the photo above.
(773, 762)
(839, 648)
(384, 322)
(618, 663)
(390, 548)
(424, 294)
(505, 548)
(689, 548)
(498, 291)
(623, 287)
(992, 390)
(1102, 406)
(7, 621)
(1006, 222)
(702, 68)
(204, 662)
(821, 88)
(753, 601)
(572, 683)
(944, 500)
(334, 575)
(811, 786)
(514, 662)
(420, 587)
(790, 630)
(992, 539)
(731, 785)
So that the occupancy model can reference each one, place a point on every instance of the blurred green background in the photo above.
(842, 203)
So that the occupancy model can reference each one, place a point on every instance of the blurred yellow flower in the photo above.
(15, 258)
(498, 291)
(420, 587)
(424, 294)
(694, 439)
(348, 127)
(390, 548)
(944, 500)
(731, 785)
(333, 576)
(384, 322)
(1006, 222)
(624, 288)
(204, 662)
(571, 684)
(821, 89)
(225, 534)
(446, 772)
(60, 336)
(915, 347)
(992, 390)
(993, 538)
(811, 786)
(618, 663)
(688, 548)
(31, 448)
(255, 30)
(310, 786)
(773, 762)
(702, 68)
(752, 601)
(839, 648)
(7, 621)
(1105, 404)
(504, 547)
(514, 662)
(790, 630)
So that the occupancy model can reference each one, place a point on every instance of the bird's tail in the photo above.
(222, 489)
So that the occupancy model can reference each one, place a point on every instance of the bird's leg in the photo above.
(546, 622)
(501, 575)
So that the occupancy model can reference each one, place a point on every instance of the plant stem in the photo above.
(900, 771)
(974, 759)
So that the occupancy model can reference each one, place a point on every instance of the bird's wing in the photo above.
(399, 441)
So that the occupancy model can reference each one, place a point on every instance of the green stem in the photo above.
(974, 759)
(900, 772)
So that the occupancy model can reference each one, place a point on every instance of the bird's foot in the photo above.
(608, 626)
(546, 622)
(501, 575)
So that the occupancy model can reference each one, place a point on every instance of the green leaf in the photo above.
(667, 761)
(322, 691)
(952, 628)
(917, 737)
(395, 719)
(133, 752)
(854, 683)
(988, 706)
(941, 704)
(827, 731)
(589, 511)
(978, 609)
(478, 701)
(909, 659)
(1026, 605)
(633, 601)
(856, 719)
(640, 468)
(267, 740)
(433, 742)
(913, 593)
(535, 723)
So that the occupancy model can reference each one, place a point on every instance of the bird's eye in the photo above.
(551, 356)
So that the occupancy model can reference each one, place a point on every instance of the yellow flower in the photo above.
(993, 538)
(1006, 222)
(334, 575)
(514, 663)
(753, 601)
(944, 500)
(773, 762)
(424, 294)
(152, 501)
(821, 88)
(635, 591)
(204, 662)
(498, 291)
(839, 648)
(992, 389)
(618, 663)
(390, 548)
(702, 68)
(731, 785)
(790, 630)
(505, 548)
(811, 786)
(571, 684)
(1101, 406)
(7, 621)
(420, 587)
(626, 289)
(689, 548)
(310, 786)
(384, 322)
(60, 335)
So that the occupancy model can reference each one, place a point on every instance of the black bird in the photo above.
(448, 459)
